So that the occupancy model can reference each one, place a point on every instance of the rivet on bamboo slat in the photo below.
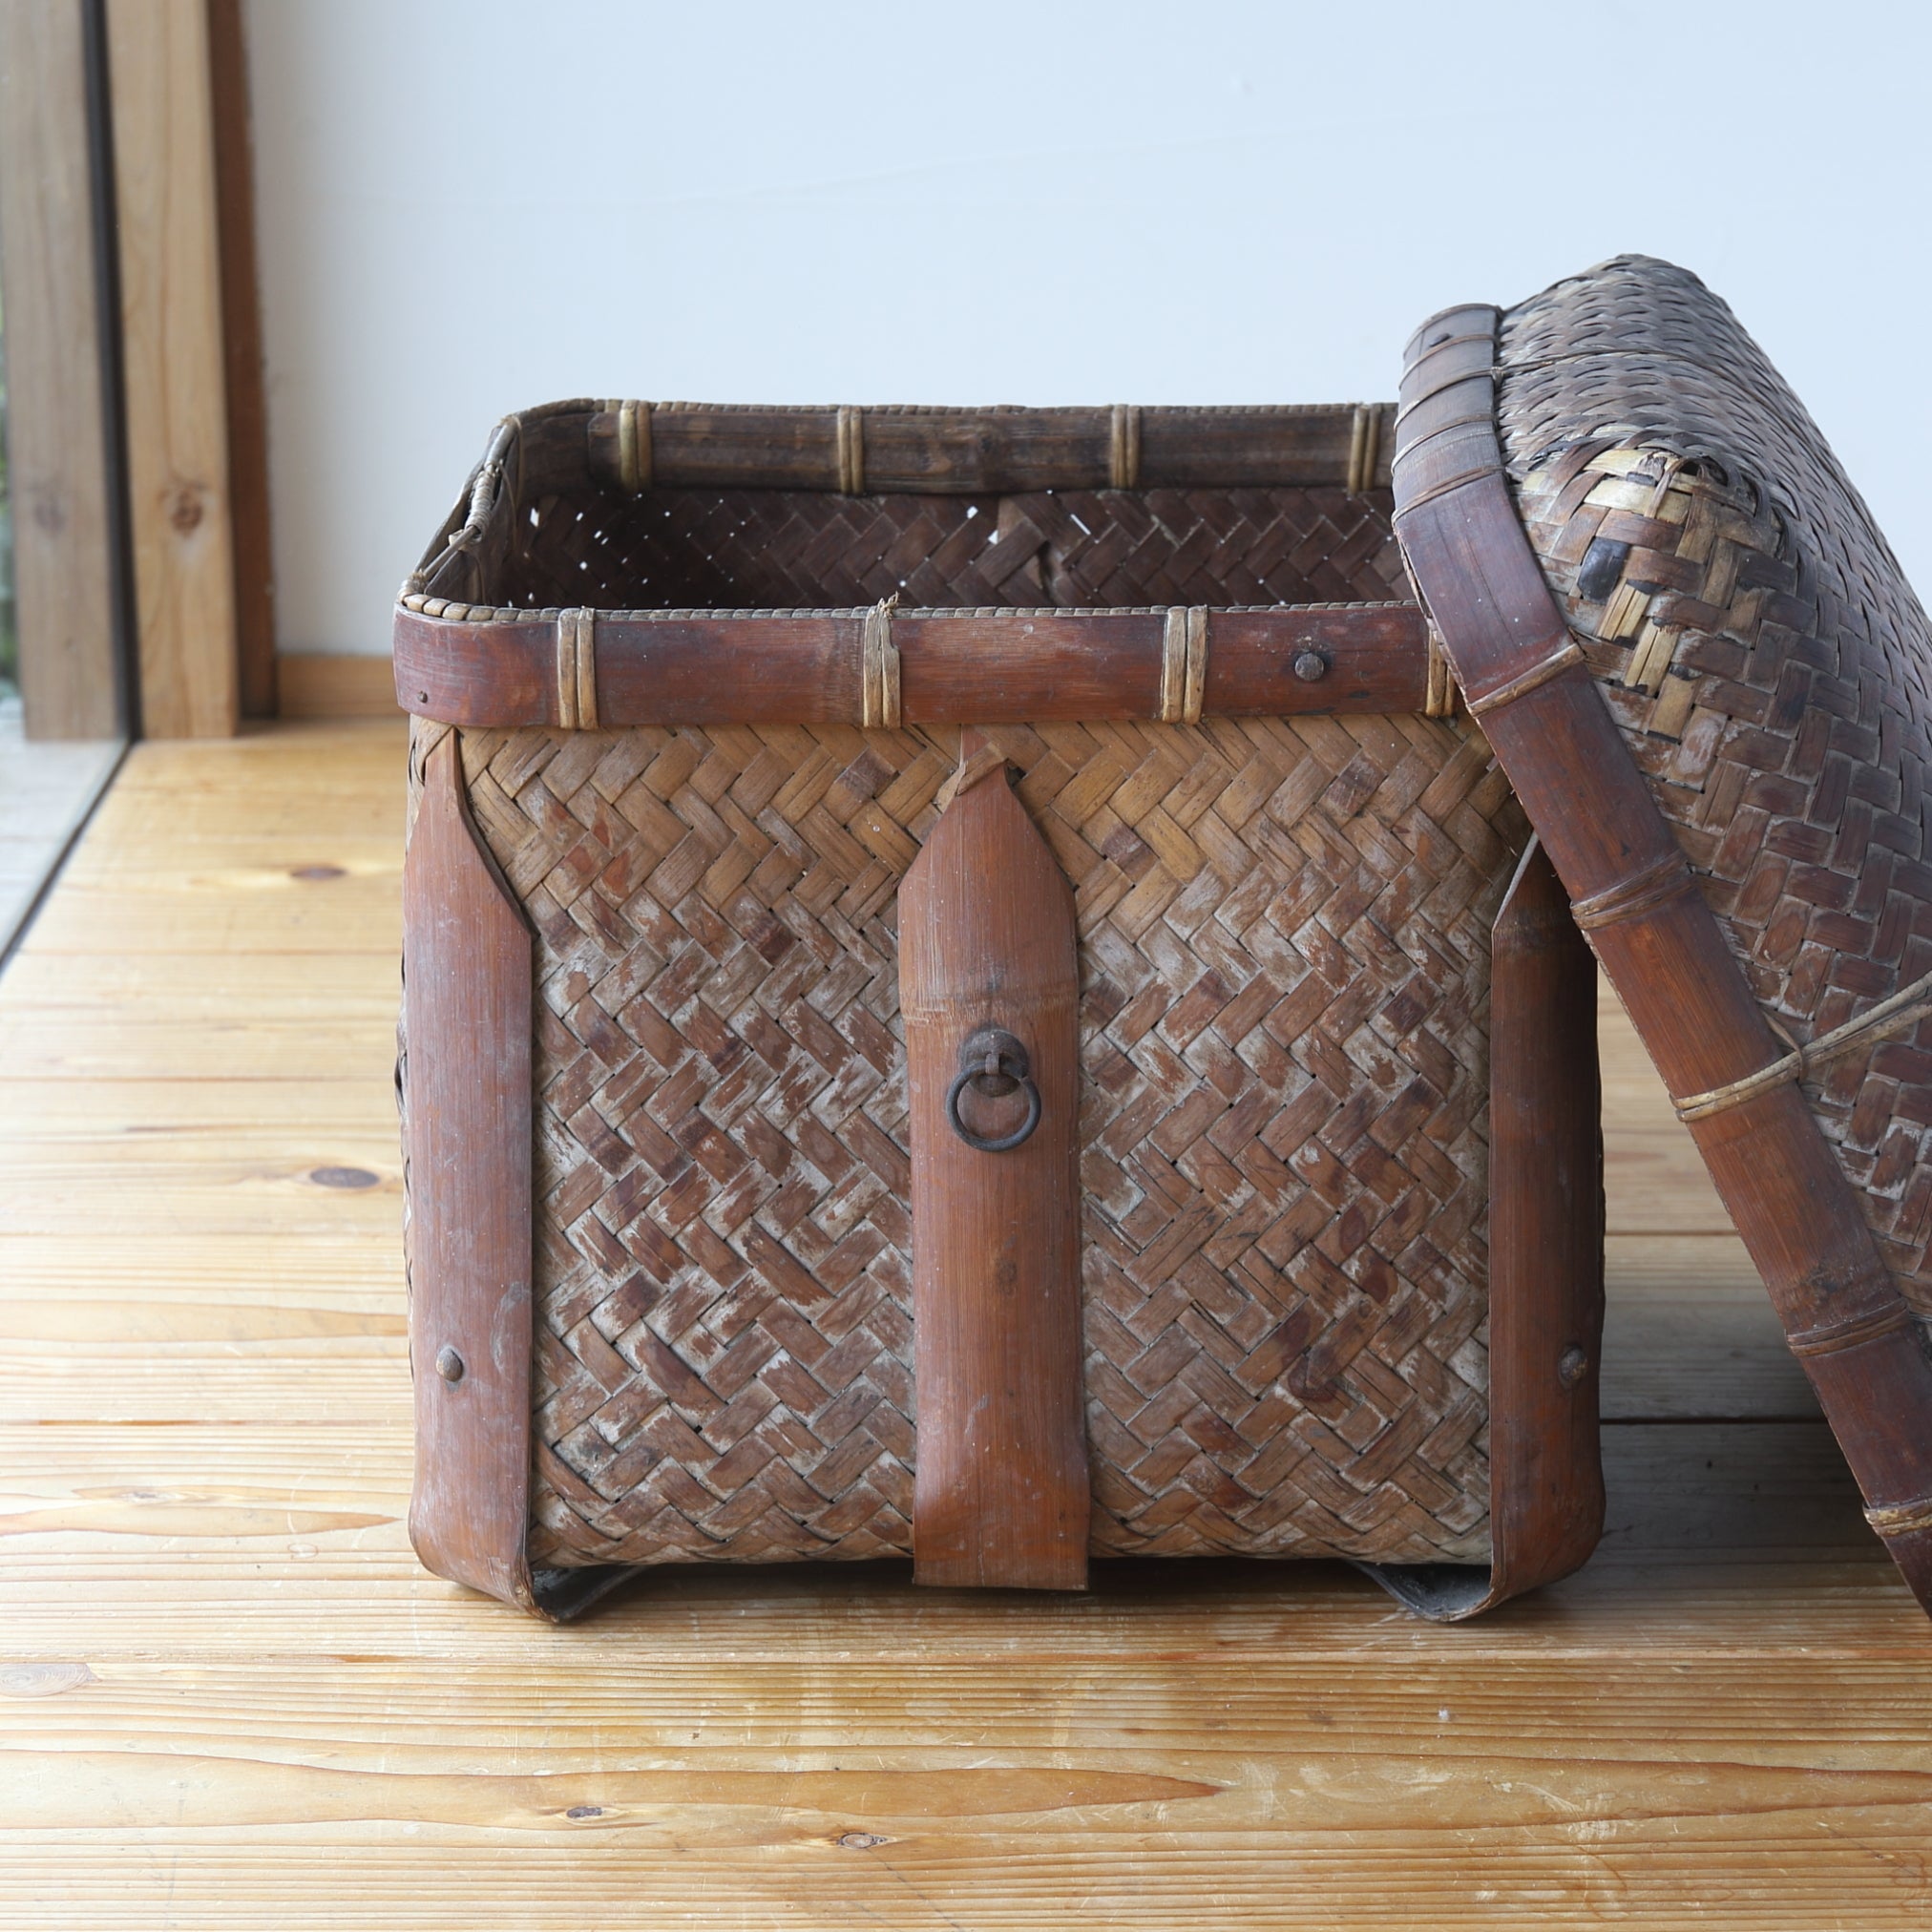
(879, 670)
(1183, 666)
(852, 452)
(576, 670)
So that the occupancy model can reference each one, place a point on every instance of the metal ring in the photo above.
(993, 1063)
(1004, 1141)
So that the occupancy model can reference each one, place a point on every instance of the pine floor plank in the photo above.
(242, 1047)
(1772, 1874)
(322, 1189)
(1856, 1876)
(229, 1697)
(63, 1110)
(288, 1536)
(212, 914)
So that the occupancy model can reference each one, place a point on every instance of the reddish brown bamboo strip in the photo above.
(986, 940)
(1546, 1259)
(466, 984)
(467, 993)
(993, 667)
(1546, 1236)
(968, 452)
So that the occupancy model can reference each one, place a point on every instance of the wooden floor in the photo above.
(230, 1698)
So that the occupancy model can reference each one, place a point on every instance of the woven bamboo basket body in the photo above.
(1285, 890)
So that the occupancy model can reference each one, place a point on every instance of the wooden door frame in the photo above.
(63, 413)
(138, 430)
(242, 357)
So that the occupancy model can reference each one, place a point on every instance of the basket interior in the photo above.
(733, 548)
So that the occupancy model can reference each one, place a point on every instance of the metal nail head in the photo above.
(449, 1365)
(1311, 666)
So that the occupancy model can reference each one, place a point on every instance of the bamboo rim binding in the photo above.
(1904, 1009)
(1183, 666)
(852, 452)
(1566, 653)
(576, 670)
(1365, 447)
(633, 446)
(1123, 448)
(879, 669)
(1439, 692)
(1902, 1519)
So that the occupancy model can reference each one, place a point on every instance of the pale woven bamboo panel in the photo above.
(1285, 979)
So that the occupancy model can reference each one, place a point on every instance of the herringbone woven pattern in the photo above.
(1285, 977)
(1770, 666)
(739, 549)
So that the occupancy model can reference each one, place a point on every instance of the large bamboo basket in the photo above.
(694, 680)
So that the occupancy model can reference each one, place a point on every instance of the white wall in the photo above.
(471, 205)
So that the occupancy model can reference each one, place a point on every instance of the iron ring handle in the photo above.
(993, 1054)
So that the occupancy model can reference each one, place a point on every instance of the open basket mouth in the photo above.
(684, 506)
(917, 565)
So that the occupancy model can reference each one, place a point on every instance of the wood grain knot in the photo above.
(42, 1680)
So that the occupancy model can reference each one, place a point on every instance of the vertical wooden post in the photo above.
(241, 352)
(57, 402)
(179, 506)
